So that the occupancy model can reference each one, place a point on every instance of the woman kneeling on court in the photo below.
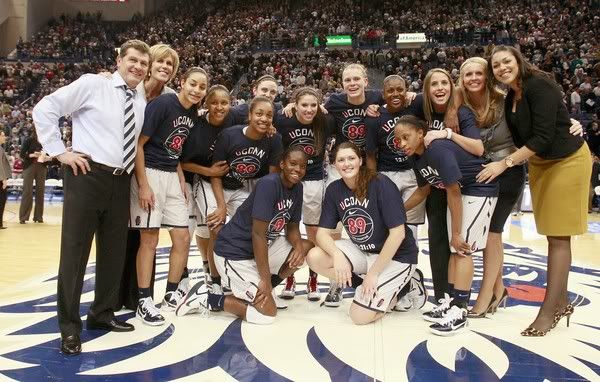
(252, 261)
(381, 255)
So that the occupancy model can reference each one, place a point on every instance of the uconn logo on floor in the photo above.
(320, 341)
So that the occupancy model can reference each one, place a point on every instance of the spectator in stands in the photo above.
(17, 169)
(34, 169)
(4, 177)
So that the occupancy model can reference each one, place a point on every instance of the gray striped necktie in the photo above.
(129, 128)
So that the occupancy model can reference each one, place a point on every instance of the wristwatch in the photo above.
(508, 161)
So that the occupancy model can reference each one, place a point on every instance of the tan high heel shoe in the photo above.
(567, 311)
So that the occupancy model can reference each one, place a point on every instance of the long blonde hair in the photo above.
(427, 106)
(493, 98)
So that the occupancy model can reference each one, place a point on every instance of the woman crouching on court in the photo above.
(446, 165)
(381, 255)
(251, 262)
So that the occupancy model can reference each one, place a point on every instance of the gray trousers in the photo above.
(36, 171)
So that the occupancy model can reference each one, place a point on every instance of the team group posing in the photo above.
(391, 162)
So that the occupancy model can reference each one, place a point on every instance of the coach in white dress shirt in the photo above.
(96, 186)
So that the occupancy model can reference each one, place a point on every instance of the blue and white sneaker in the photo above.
(454, 321)
(148, 313)
(334, 297)
(438, 312)
(417, 295)
(172, 299)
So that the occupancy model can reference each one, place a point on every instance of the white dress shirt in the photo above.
(97, 106)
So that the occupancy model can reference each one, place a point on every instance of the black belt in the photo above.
(113, 170)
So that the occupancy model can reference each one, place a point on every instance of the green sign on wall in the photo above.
(335, 40)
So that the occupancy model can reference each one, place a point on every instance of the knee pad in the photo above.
(255, 317)
(202, 231)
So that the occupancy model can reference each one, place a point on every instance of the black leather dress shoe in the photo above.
(112, 325)
(70, 345)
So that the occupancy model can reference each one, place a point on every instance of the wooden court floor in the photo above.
(307, 342)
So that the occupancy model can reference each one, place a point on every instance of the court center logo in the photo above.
(323, 344)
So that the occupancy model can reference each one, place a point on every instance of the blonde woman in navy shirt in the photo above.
(158, 192)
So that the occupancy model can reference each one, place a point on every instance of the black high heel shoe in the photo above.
(502, 301)
(489, 309)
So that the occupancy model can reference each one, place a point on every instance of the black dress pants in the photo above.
(96, 203)
(3, 197)
(439, 246)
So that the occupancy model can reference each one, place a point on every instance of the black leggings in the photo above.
(439, 246)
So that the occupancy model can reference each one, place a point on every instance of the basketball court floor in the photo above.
(307, 342)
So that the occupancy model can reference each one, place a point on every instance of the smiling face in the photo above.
(293, 167)
(440, 90)
(133, 66)
(162, 69)
(473, 77)
(266, 88)
(306, 108)
(347, 163)
(354, 82)
(411, 139)
(218, 106)
(261, 117)
(193, 88)
(394, 93)
(505, 67)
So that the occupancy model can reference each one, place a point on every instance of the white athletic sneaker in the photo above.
(184, 286)
(195, 300)
(289, 290)
(437, 313)
(416, 296)
(280, 303)
(454, 321)
(312, 289)
(404, 304)
(148, 313)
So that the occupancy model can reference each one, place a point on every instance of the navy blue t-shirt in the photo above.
(381, 139)
(295, 133)
(200, 144)
(444, 162)
(168, 124)
(368, 222)
(467, 123)
(349, 118)
(247, 158)
(271, 202)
